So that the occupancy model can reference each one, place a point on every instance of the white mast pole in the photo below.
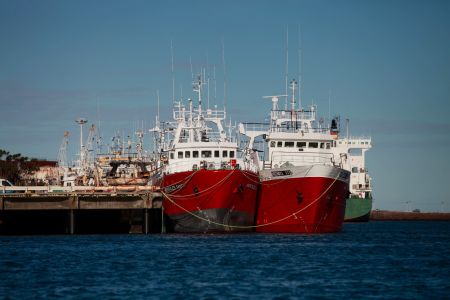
(199, 96)
(300, 67)
(207, 73)
(224, 76)
(192, 71)
(293, 83)
(287, 63)
(329, 106)
(157, 116)
(81, 121)
(215, 86)
(173, 76)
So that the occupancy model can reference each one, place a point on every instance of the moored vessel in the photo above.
(303, 185)
(207, 187)
(359, 203)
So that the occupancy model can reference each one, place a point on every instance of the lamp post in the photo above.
(81, 121)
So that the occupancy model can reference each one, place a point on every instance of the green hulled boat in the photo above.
(359, 202)
(358, 209)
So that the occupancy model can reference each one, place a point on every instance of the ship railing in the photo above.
(299, 115)
(256, 127)
(287, 127)
(200, 164)
(281, 158)
(214, 114)
(208, 114)
(290, 129)
(213, 136)
(354, 140)
(210, 137)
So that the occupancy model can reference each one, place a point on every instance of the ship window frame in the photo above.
(322, 145)
(313, 145)
(289, 144)
(195, 154)
(272, 144)
(180, 154)
(224, 153)
(172, 155)
(232, 154)
(216, 153)
(299, 145)
(187, 154)
(328, 146)
(279, 144)
(206, 153)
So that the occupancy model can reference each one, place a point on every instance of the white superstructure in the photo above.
(295, 137)
(353, 150)
(197, 138)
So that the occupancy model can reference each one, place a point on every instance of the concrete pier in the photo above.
(385, 215)
(81, 212)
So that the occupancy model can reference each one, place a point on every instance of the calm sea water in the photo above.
(374, 260)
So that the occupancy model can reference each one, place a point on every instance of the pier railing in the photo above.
(17, 190)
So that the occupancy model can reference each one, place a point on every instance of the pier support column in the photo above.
(145, 229)
(71, 221)
(163, 227)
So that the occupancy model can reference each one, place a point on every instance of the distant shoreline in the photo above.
(385, 215)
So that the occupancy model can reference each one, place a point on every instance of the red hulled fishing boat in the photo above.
(303, 185)
(206, 186)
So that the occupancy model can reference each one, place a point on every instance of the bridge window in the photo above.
(301, 144)
(231, 154)
(289, 144)
(216, 153)
(328, 145)
(180, 154)
(322, 145)
(194, 154)
(272, 144)
(187, 154)
(172, 155)
(355, 170)
(206, 154)
(313, 145)
(280, 144)
(224, 153)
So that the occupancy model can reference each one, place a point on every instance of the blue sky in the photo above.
(385, 63)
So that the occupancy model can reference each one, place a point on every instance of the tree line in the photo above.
(14, 167)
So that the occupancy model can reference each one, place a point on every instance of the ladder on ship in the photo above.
(267, 165)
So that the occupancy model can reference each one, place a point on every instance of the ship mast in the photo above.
(81, 122)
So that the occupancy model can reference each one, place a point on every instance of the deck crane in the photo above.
(62, 155)
(90, 164)
(89, 146)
